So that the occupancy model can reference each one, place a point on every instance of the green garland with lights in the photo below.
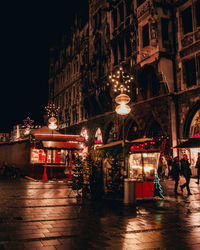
(157, 188)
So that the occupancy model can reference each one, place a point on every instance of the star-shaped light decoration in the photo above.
(27, 124)
(121, 81)
(52, 110)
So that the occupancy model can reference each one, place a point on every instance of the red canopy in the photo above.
(55, 140)
(61, 145)
(46, 134)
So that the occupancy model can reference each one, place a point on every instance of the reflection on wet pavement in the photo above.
(36, 215)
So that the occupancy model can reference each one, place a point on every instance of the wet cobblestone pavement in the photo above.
(37, 215)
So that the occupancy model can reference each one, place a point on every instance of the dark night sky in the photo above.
(27, 32)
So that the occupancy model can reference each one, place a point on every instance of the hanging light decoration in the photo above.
(122, 98)
(123, 109)
(52, 123)
(52, 112)
(121, 81)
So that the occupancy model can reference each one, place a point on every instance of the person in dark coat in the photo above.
(198, 168)
(186, 172)
(175, 173)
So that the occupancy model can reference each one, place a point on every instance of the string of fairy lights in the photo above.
(52, 110)
(121, 81)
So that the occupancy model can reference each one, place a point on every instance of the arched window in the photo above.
(195, 124)
(132, 132)
(111, 133)
(98, 136)
(154, 130)
(84, 133)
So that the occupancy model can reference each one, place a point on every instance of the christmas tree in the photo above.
(77, 175)
(157, 188)
(92, 175)
(115, 183)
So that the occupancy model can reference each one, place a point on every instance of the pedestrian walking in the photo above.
(198, 168)
(186, 172)
(169, 163)
(175, 173)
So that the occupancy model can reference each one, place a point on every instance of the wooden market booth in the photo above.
(55, 151)
(142, 159)
(43, 153)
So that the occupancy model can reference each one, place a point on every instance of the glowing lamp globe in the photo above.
(122, 98)
(52, 125)
(123, 109)
(52, 120)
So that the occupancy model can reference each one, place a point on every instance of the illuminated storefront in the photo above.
(143, 165)
(142, 159)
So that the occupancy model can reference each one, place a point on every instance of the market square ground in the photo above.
(37, 215)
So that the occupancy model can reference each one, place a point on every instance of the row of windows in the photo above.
(121, 48)
(191, 18)
(119, 13)
(70, 97)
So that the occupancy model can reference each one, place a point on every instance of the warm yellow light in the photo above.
(52, 120)
(123, 109)
(122, 98)
(52, 125)
(146, 168)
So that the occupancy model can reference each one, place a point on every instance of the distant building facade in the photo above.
(156, 41)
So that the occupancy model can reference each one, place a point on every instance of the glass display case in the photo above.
(53, 156)
(142, 166)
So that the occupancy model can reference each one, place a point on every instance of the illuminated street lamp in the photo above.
(52, 123)
(123, 108)
(121, 82)
(52, 112)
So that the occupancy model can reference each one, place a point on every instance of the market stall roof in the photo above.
(112, 144)
(193, 142)
(46, 134)
(140, 145)
(142, 140)
(115, 148)
(119, 143)
(61, 145)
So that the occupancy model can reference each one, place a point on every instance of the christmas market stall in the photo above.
(141, 163)
(43, 153)
(111, 155)
(191, 147)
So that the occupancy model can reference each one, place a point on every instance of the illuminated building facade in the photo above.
(156, 41)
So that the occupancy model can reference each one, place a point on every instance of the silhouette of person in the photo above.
(198, 168)
(186, 172)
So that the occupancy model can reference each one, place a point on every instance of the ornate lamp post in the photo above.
(121, 82)
(52, 113)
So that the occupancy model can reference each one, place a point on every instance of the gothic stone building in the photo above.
(156, 41)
